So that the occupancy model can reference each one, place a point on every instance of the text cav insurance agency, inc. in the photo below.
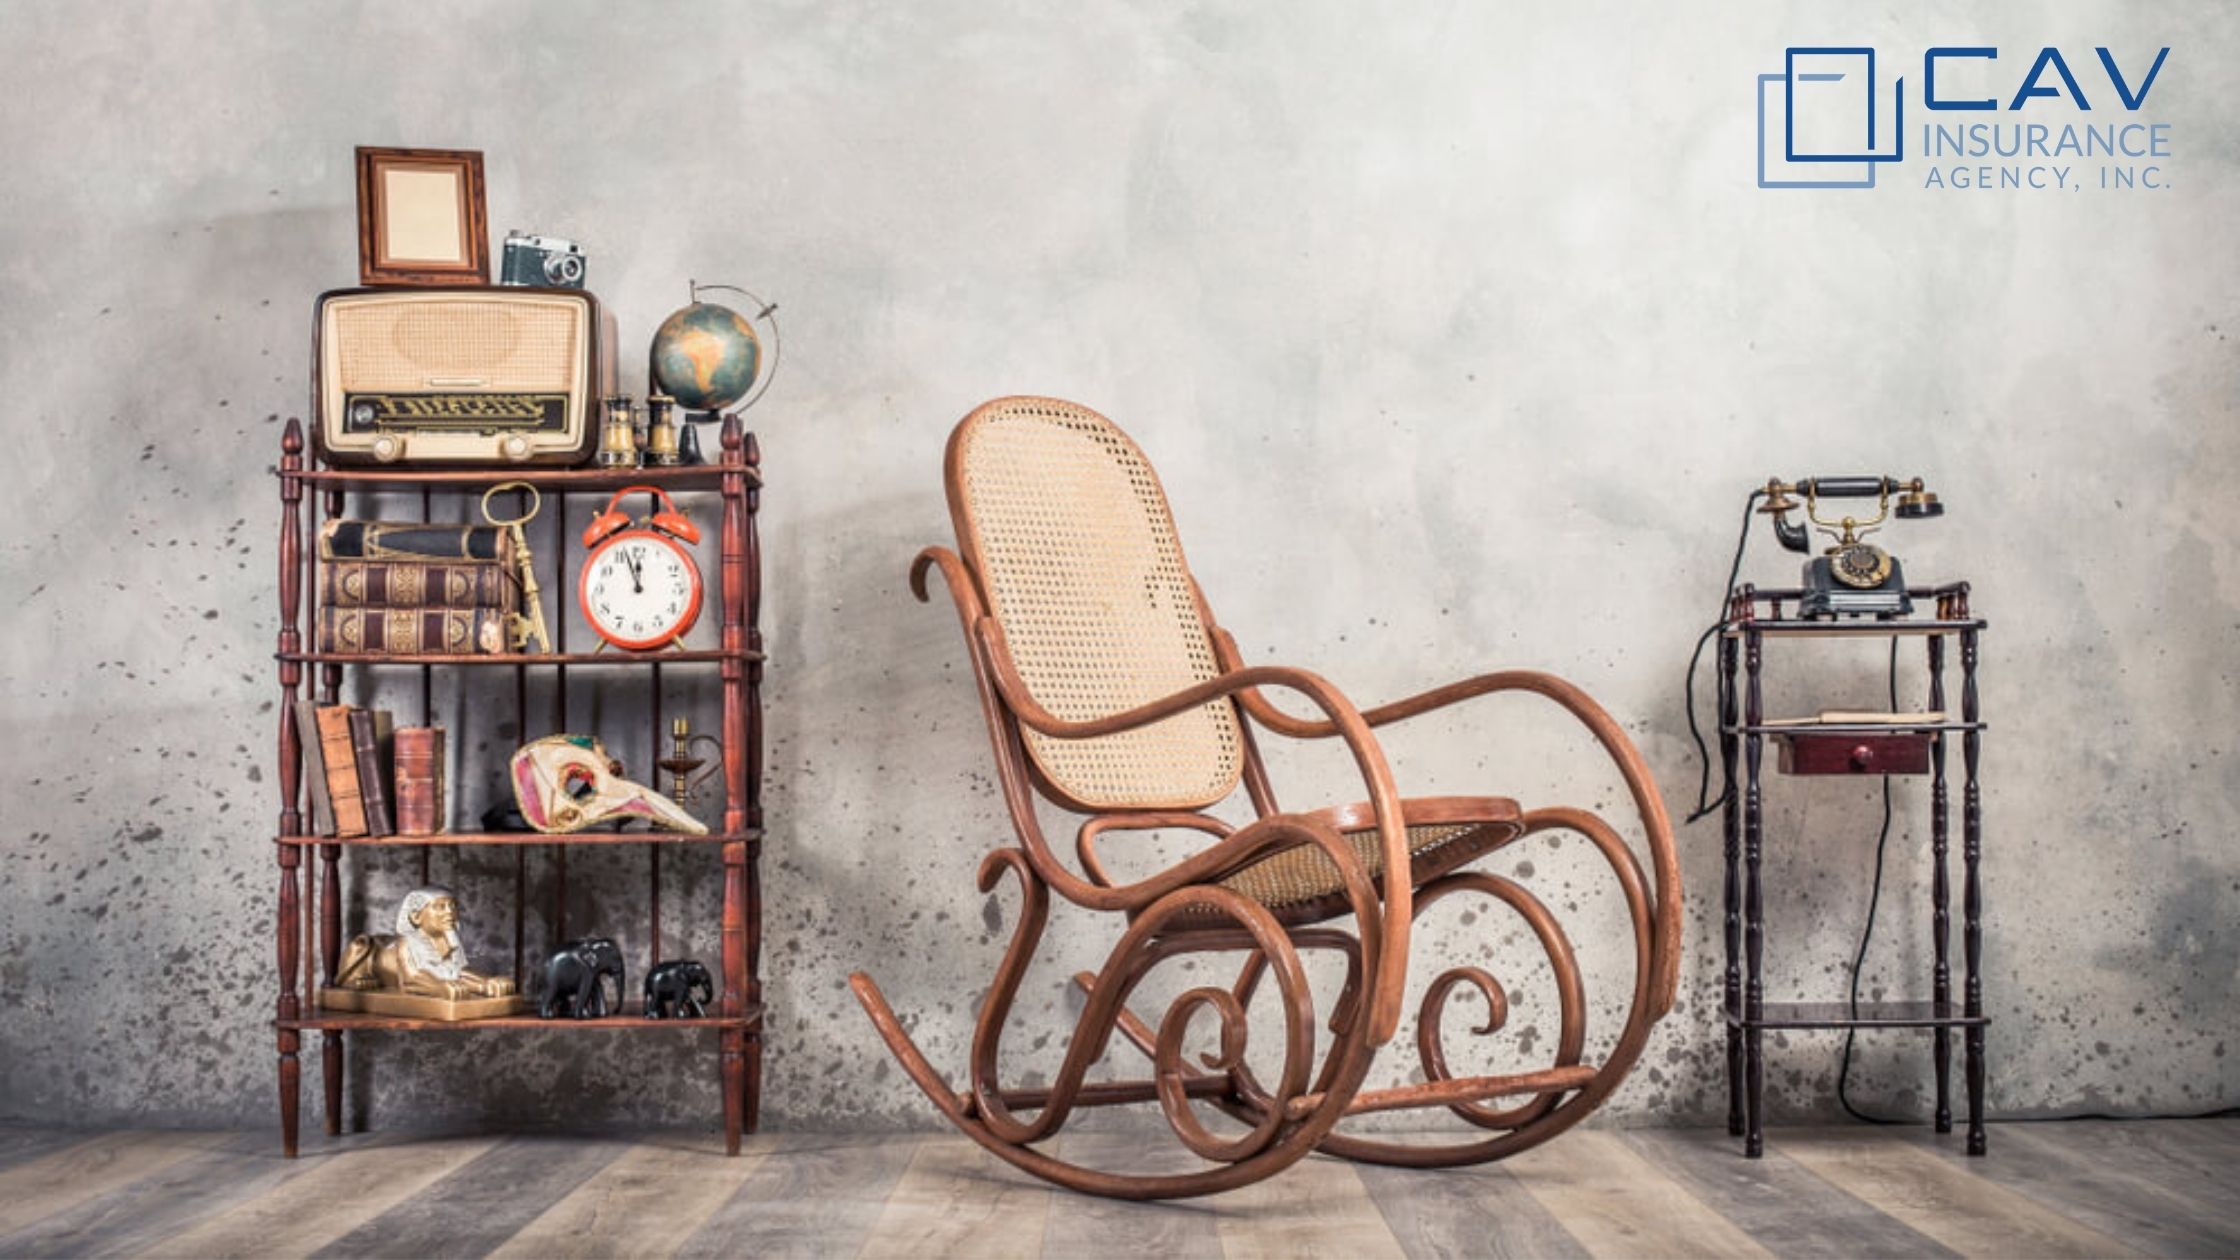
(1828, 121)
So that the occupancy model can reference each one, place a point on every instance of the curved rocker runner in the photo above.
(1111, 692)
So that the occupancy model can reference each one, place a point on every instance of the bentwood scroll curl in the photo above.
(1129, 961)
(1570, 1041)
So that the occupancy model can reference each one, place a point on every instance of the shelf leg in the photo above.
(742, 732)
(734, 1071)
(1978, 1143)
(1940, 887)
(1731, 821)
(1971, 888)
(1753, 906)
(752, 455)
(291, 925)
(291, 1091)
(330, 1065)
(289, 1040)
(752, 1082)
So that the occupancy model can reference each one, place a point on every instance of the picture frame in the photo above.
(422, 219)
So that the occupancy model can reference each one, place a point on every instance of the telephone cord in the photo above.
(1866, 936)
(1695, 660)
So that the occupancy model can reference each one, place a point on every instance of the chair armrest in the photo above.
(1647, 802)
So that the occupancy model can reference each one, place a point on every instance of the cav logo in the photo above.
(1826, 122)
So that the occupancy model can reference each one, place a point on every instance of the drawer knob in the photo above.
(1862, 757)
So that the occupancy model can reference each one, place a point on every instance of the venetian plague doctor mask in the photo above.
(567, 783)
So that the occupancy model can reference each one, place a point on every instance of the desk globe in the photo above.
(706, 356)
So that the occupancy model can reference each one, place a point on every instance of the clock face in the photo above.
(640, 590)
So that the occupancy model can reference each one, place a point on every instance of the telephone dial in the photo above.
(1852, 578)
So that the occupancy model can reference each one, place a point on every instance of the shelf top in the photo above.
(683, 477)
(1778, 729)
(528, 838)
(346, 1021)
(1791, 626)
(687, 657)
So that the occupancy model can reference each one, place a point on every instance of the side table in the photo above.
(1753, 618)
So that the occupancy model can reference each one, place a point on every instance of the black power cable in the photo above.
(1859, 962)
(1695, 659)
(1874, 902)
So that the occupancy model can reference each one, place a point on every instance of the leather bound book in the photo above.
(412, 540)
(342, 769)
(420, 803)
(414, 584)
(314, 768)
(370, 736)
(409, 631)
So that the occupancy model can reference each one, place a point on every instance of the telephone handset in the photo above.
(1852, 578)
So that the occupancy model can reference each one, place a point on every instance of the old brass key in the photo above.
(522, 628)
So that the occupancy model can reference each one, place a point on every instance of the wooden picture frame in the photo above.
(421, 217)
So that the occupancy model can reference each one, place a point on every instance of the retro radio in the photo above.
(466, 375)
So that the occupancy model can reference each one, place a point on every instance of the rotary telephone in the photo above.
(1852, 578)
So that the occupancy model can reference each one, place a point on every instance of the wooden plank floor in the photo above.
(2077, 1188)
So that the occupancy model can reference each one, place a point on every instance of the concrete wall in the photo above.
(1458, 332)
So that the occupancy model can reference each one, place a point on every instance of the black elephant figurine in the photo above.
(572, 980)
(679, 989)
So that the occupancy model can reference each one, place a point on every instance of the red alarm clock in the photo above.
(640, 589)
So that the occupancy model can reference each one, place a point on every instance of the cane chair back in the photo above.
(1063, 521)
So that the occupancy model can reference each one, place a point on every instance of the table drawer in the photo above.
(1901, 752)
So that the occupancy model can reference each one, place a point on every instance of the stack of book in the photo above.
(390, 589)
(368, 777)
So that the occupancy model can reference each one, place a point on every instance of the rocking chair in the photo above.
(1110, 690)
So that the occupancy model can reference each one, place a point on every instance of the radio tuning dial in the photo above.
(388, 447)
(514, 447)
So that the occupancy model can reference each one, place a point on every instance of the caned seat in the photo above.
(1301, 884)
(1111, 693)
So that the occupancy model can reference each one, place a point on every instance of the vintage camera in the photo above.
(547, 261)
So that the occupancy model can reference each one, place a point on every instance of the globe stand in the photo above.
(688, 441)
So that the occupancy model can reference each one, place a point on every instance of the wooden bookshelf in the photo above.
(313, 869)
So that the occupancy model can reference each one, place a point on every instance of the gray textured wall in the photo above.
(1458, 332)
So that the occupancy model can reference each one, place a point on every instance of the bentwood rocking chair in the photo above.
(1110, 690)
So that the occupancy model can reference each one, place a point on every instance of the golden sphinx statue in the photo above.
(420, 972)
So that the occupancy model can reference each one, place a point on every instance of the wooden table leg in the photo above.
(1731, 821)
(1753, 907)
(1940, 889)
(1971, 889)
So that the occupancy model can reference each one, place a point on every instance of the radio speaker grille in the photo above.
(519, 343)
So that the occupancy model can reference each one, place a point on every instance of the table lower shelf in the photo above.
(351, 1021)
(1871, 1015)
(528, 838)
